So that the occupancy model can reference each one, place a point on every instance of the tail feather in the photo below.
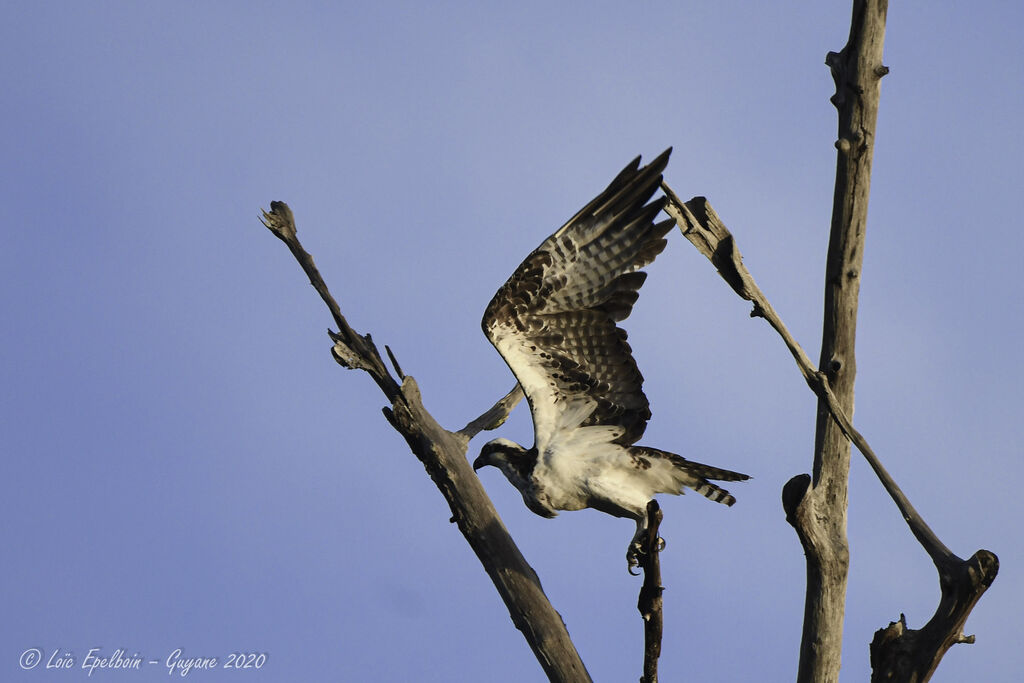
(707, 471)
(688, 474)
(715, 493)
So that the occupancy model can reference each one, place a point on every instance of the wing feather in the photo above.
(554, 320)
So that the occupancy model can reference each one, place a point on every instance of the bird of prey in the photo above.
(554, 323)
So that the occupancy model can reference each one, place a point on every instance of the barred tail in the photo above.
(709, 472)
(704, 472)
(683, 473)
(715, 493)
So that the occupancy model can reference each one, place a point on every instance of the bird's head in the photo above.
(514, 461)
(498, 453)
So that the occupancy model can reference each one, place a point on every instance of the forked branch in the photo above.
(962, 582)
(443, 454)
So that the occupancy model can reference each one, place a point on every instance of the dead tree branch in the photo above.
(705, 230)
(496, 416)
(650, 600)
(962, 583)
(443, 454)
(817, 507)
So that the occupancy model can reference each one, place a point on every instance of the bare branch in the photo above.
(496, 415)
(821, 524)
(650, 600)
(962, 582)
(394, 362)
(349, 346)
(817, 506)
(702, 226)
(903, 655)
(897, 653)
(443, 454)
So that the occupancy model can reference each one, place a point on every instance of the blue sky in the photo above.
(185, 466)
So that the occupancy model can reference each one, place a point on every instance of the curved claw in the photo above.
(634, 552)
(633, 558)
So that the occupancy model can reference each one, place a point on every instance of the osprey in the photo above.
(554, 323)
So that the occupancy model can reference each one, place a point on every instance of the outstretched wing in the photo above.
(554, 321)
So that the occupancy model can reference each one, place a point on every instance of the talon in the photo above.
(633, 558)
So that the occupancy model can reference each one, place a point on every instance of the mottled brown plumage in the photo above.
(554, 323)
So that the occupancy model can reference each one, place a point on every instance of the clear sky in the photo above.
(185, 466)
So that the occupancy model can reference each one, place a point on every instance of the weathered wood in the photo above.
(702, 226)
(496, 416)
(650, 601)
(817, 507)
(443, 454)
(902, 655)
(819, 514)
(898, 654)
(349, 346)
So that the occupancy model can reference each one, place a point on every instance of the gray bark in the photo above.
(898, 654)
(816, 506)
(443, 454)
(650, 601)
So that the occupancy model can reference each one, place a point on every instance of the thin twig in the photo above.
(280, 221)
(394, 362)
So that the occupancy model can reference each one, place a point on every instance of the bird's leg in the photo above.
(638, 546)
